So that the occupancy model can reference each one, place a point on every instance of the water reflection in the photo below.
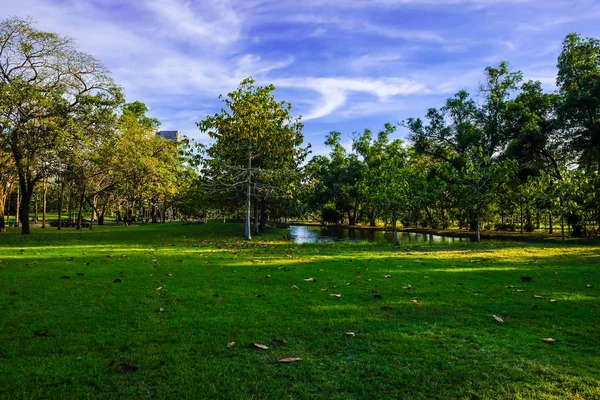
(317, 234)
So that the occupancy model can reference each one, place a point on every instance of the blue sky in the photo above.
(345, 65)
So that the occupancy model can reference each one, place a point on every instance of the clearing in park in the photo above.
(194, 311)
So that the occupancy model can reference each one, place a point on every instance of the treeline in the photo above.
(517, 158)
(68, 141)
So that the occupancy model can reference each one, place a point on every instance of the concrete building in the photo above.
(171, 135)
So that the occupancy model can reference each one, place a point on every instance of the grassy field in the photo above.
(101, 338)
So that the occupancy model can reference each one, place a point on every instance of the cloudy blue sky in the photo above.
(344, 64)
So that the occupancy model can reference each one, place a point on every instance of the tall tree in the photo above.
(46, 85)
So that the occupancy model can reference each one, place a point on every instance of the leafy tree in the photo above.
(257, 145)
(46, 86)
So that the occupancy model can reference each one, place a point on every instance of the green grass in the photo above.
(447, 345)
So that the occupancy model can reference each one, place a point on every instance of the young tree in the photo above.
(257, 144)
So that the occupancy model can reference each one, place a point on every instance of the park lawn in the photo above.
(109, 340)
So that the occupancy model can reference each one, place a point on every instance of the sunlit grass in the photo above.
(216, 288)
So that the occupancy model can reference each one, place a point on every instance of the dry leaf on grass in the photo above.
(548, 340)
(230, 345)
(497, 318)
(337, 296)
(414, 301)
(387, 276)
(408, 286)
(128, 368)
(260, 346)
(309, 279)
(538, 297)
(510, 287)
(278, 342)
(117, 280)
(295, 287)
(290, 360)
(159, 288)
(349, 333)
(161, 310)
(552, 301)
(519, 290)
(589, 286)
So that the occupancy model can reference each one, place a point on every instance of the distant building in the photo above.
(171, 135)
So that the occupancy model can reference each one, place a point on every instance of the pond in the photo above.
(318, 234)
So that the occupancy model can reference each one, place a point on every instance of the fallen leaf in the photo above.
(309, 279)
(290, 360)
(128, 368)
(337, 296)
(259, 295)
(349, 283)
(260, 346)
(548, 340)
(230, 345)
(159, 288)
(278, 342)
(280, 268)
(510, 287)
(589, 286)
(414, 301)
(408, 286)
(324, 290)
(385, 308)
(526, 279)
(349, 333)
(65, 277)
(161, 310)
(387, 276)
(118, 280)
(520, 290)
(268, 276)
(42, 333)
(552, 301)
(295, 287)
(169, 274)
(538, 297)
(497, 318)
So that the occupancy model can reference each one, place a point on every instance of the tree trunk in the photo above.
(521, 217)
(60, 203)
(153, 212)
(94, 205)
(24, 211)
(44, 197)
(248, 234)
(256, 217)
(262, 216)
(551, 231)
(395, 228)
(3, 196)
(81, 201)
(477, 231)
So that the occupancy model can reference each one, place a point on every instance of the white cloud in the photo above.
(334, 91)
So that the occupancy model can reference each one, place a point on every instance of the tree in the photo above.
(46, 86)
(7, 180)
(257, 145)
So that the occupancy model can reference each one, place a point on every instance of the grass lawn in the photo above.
(100, 339)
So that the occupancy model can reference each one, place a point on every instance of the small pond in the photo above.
(318, 234)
